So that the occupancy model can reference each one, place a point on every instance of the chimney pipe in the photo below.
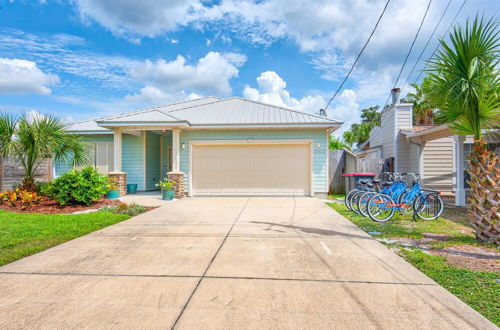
(395, 95)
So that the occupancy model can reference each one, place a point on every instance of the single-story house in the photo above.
(433, 152)
(213, 146)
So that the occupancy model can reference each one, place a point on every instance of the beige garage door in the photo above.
(251, 169)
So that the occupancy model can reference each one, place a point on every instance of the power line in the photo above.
(359, 55)
(427, 43)
(409, 51)
(437, 47)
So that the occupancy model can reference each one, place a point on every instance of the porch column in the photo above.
(176, 174)
(117, 150)
(119, 177)
(175, 151)
(458, 141)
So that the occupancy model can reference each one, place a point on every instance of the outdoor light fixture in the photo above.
(183, 145)
(319, 145)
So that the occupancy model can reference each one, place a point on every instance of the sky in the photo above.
(84, 59)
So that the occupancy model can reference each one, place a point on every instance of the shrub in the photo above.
(166, 184)
(122, 208)
(27, 198)
(78, 187)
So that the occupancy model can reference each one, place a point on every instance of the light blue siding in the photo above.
(62, 167)
(167, 142)
(133, 159)
(317, 135)
(152, 160)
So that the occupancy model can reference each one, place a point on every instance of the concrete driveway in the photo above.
(227, 263)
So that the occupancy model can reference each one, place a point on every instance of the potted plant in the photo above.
(114, 190)
(167, 189)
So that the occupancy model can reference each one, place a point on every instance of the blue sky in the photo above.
(82, 59)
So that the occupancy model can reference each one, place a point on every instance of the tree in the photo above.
(359, 133)
(30, 140)
(337, 144)
(423, 109)
(465, 85)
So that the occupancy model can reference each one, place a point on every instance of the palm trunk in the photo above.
(485, 193)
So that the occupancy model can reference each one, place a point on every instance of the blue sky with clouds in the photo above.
(83, 59)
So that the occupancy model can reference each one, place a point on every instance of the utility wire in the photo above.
(359, 55)
(409, 51)
(426, 44)
(439, 44)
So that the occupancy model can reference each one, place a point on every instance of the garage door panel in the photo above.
(251, 170)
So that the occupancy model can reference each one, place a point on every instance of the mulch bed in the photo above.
(49, 206)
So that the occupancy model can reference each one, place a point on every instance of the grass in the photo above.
(24, 234)
(336, 196)
(477, 289)
(405, 226)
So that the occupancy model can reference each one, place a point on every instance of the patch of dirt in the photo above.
(49, 206)
(478, 258)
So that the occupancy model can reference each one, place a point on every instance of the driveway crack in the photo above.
(208, 266)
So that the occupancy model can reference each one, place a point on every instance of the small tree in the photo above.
(465, 85)
(423, 109)
(337, 144)
(30, 140)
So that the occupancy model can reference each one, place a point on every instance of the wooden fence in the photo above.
(344, 161)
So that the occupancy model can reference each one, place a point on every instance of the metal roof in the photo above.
(215, 112)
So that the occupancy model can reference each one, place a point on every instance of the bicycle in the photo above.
(425, 205)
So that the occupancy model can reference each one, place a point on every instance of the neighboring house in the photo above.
(431, 151)
(213, 146)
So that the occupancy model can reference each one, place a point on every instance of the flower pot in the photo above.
(131, 188)
(113, 194)
(167, 195)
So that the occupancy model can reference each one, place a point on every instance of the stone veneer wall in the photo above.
(11, 172)
(179, 186)
(121, 181)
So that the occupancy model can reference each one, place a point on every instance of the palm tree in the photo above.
(335, 143)
(465, 85)
(422, 107)
(31, 139)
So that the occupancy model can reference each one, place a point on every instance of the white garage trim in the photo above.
(308, 142)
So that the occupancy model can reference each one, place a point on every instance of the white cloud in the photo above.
(140, 18)
(23, 77)
(171, 80)
(272, 89)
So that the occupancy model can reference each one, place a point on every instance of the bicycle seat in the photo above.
(370, 185)
(387, 184)
(363, 181)
(376, 181)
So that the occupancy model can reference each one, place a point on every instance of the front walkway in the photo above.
(227, 263)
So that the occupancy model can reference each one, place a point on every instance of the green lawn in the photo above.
(23, 234)
(405, 226)
(478, 289)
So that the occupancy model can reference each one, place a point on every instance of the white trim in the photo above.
(458, 169)
(309, 142)
(176, 151)
(144, 168)
(396, 163)
(327, 163)
(117, 150)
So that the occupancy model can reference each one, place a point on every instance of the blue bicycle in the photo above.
(426, 205)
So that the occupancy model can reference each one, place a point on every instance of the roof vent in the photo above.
(395, 95)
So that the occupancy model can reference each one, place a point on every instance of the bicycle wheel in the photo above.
(380, 208)
(354, 201)
(428, 206)
(347, 200)
(406, 206)
(363, 202)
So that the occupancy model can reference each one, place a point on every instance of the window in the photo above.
(100, 156)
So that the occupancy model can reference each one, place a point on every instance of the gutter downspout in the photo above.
(420, 150)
